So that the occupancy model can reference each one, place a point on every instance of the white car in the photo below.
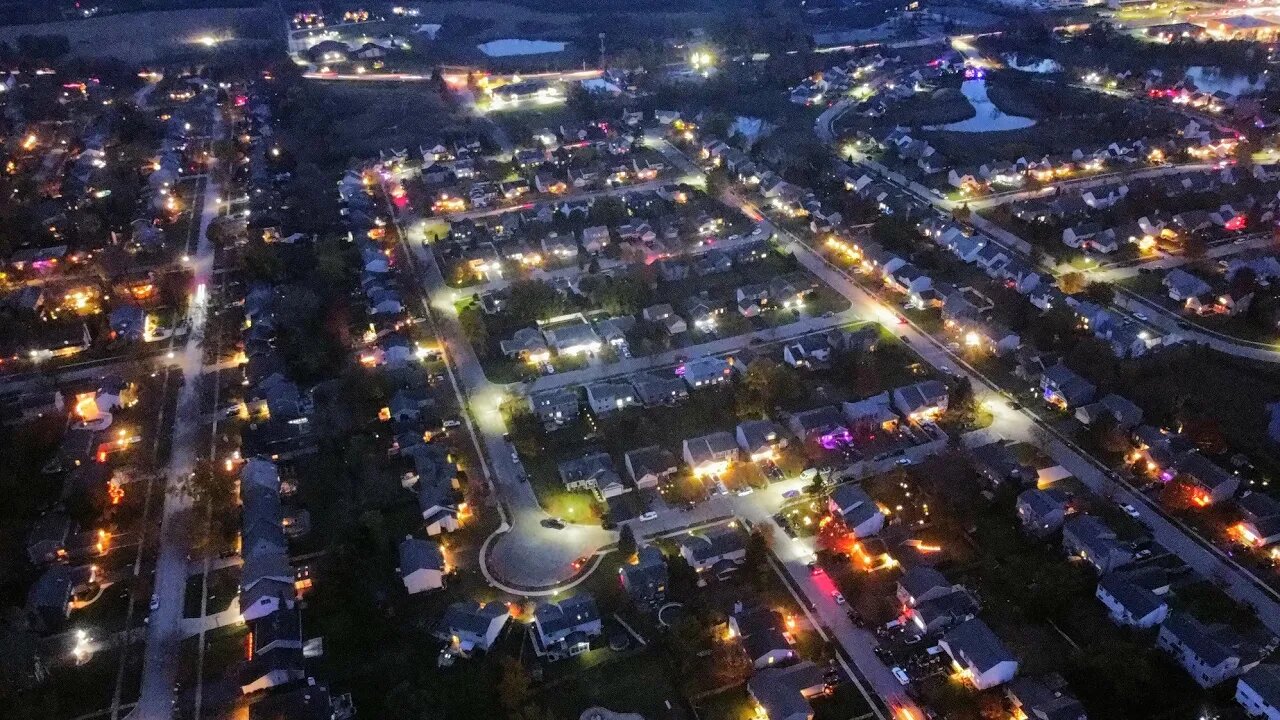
(835, 595)
(1129, 510)
(1141, 316)
(155, 603)
(650, 515)
(901, 675)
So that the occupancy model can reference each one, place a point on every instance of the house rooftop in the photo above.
(471, 617)
(707, 447)
(713, 542)
(1265, 681)
(569, 613)
(1133, 597)
(920, 579)
(418, 554)
(978, 644)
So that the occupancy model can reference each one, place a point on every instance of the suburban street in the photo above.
(164, 633)
(1022, 426)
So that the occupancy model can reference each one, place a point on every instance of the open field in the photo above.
(145, 37)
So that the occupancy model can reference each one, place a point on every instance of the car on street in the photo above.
(155, 603)
(814, 569)
(552, 523)
(839, 598)
(901, 675)
(1129, 510)
(1141, 316)
(648, 515)
(452, 423)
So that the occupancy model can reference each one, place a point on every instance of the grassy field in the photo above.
(372, 117)
(145, 37)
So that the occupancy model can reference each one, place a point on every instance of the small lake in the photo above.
(508, 47)
(987, 117)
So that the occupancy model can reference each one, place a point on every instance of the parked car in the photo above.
(835, 595)
(553, 523)
(901, 675)
(1129, 510)
(648, 515)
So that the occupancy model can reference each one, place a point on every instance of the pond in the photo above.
(1212, 80)
(987, 117)
(514, 46)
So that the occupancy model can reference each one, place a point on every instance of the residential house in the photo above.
(910, 280)
(527, 345)
(1088, 538)
(1063, 388)
(1120, 409)
(996, 463)
(275, 651)
(1129, 603)
(422, 565)
(608, 396)
(653, 390)
(920, 584)
(760, 439)
(1259, 524)
(592, 472)
(595, 238)
(1258, 691)
(650, 466)
(1041, 512)
(573, 338)
(1183, 287)
(763, 634)
(266, 585)
(1043, 698)
(49, 598)
(923, 402)
(48, 538)
(437, 487)
(645, 580)
(860, 514)
(555, 407)
(467, 625)
(807, 351)
(1210, 483)
(938, 614)
(979, 655)
(716, 546)
(871, 415)
(707, 371)
(565, 628)
(784, 693)
(1211, 654)
(710, 454)
(304, 701)
(824, 423)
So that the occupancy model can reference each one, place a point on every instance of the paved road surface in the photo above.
(164, 633)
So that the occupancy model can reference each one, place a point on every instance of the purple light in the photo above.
(835, 439)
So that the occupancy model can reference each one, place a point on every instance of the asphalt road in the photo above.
(164, 632)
